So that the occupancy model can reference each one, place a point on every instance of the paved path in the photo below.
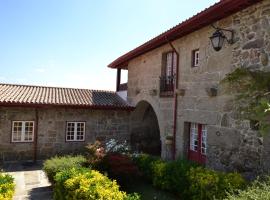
(31, 181)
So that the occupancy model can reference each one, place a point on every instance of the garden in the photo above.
(112, 172)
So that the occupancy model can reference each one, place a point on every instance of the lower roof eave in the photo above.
(94, 107)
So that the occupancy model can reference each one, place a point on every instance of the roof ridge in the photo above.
(56, 87)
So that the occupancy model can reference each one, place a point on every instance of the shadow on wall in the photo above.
(145, 133)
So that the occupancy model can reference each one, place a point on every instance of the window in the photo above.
(22, 131)
(171, 62)
(75, 131)
(195, 58)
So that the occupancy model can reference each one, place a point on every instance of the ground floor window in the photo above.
(75, 131)
(22, 131)
(198, 142)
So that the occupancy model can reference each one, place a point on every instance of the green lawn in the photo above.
(148, 192)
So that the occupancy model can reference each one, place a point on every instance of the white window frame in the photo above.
(75, 131)
(204, 139)
(194, 136)
(22, 134)
(196, 55)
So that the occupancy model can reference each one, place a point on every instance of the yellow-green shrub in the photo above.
(85, 184)
(7, 186)
(208, 184)
(59, 163)
(258, 190)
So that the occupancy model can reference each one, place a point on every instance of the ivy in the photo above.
(252, 90)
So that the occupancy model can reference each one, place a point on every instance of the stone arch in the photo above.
(145, 129)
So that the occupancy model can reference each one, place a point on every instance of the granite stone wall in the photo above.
(232, 144)
(99, 124)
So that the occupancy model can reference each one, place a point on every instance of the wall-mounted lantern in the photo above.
(218, 37)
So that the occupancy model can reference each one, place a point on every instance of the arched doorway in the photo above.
(145, 133)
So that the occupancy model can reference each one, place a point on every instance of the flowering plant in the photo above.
(114, 146)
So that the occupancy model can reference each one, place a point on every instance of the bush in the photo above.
(57, 164)
(95, 153)
(7, 186)
(209, 184)
(172, 176)
(133, 196)
(85, 184)
(145, 164)
(121, 167)
(187, 179)
(258, 190)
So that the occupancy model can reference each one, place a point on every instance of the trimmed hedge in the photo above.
(7, 187)
(189, 180)
(86, 184)
(57, 164)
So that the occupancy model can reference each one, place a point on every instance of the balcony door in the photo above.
(198, 143)
(167, 79)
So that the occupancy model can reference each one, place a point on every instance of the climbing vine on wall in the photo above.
(252, 89)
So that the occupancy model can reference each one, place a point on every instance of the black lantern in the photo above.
(217, 40)
(218, 37)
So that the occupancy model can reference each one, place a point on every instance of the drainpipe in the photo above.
(175, 100)
(35, 135)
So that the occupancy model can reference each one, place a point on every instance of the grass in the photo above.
(148, 192)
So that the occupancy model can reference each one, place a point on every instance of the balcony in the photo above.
(166, 84)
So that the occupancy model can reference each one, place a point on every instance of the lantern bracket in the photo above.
(231, 39)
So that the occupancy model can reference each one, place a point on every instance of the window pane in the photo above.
(17, 131)
(203, 141)
(194, 137)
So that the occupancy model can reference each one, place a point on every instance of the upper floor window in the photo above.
(22, 131)
(167, 79)
(195, 58)
(75, 131)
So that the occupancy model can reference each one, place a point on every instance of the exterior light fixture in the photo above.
(218, 38)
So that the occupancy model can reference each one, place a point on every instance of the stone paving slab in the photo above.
(31, 182)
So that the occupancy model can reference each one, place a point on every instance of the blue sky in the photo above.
(69, 43)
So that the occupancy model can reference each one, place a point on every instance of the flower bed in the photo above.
(7, 187)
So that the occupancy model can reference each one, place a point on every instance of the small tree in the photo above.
(252, 89)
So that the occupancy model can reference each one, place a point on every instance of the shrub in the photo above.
(7, 186)
(57, 164)
(145, 164)
(258, 190)
(95, 153)
(172, 176)
(121, 167)
(133, 196)
(209, 184)
(85, 184)
(187, 179)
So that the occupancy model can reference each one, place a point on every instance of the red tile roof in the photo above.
(208, 16)
(69, 97)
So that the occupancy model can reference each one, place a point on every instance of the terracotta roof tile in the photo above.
(11, 94)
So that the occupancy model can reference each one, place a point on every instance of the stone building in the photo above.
(174, 82)
(38, 122)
